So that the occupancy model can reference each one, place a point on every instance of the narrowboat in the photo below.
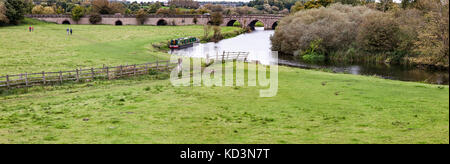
(182, 42)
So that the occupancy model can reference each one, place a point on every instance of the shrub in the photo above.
(95, 18)
(14, 11)
(217, 34)
(38, 9)
(433, 39)
(314, 54)
(216, 19)
(410, 21)
(48, 10)
(206, 32)
(3, 18)
(141, 16)
(77, 13)
(195, 21)
(379, 33)
(334, 25)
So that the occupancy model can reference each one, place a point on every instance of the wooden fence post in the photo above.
(43, 77)
(134, 70)
(121, 71)
(7, 81)
(78, 76)
(93, 74)
(146, 68)
(157, 65)
(26, 79)
(107, 73)
(60, 77)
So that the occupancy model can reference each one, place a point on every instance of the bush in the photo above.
(433, 39)
(334, 25)
(217, 34)
(95, 18)
(141, 16)
(48, 10)
(216, 19)
(410, 21)
(38, 9)
(14, 11)
(77, 13)
(3, 18)
(379, 33)
(313, 54)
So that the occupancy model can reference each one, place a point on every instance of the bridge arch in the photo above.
(233, 22)
(254, 23)
(65, 22)
(118, 23)
(274, 25)
(161, 22)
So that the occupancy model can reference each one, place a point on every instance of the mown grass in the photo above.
(49, 48)
(311, 107)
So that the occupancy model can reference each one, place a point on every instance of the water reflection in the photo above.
(259, 45)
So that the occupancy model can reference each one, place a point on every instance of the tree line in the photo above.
(412, 32)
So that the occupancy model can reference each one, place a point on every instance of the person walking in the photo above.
(29, 28)
(32, 29)
(70, 31)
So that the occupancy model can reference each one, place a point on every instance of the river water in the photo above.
(258, 44)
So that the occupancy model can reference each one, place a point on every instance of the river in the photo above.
(258, 44)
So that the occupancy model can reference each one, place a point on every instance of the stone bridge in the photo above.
(269, 21)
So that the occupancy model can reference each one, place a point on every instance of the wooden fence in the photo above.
(80, 75)
(227, 56)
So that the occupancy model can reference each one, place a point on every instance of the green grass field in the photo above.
(311, 106)
(49, 48)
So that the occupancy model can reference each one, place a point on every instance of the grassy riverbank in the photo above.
(310, 107)
(49, 48)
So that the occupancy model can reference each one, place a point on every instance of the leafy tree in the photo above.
(95, 18)
(433, 39)
(217, 36)
(14, 11)
(77, 13)
(191, 4)
(195, 21)
(141, 16)
(350, 2)
(134, 7)
(379, 33)
(48, 10)
(301, 5)
(3, 18)
(116, 7)
(100, 6)
(154, 7)
(216, 18)
(385, 5)
(38, 9)
(59, 10)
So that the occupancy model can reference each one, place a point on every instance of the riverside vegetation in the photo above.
(415, 33)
